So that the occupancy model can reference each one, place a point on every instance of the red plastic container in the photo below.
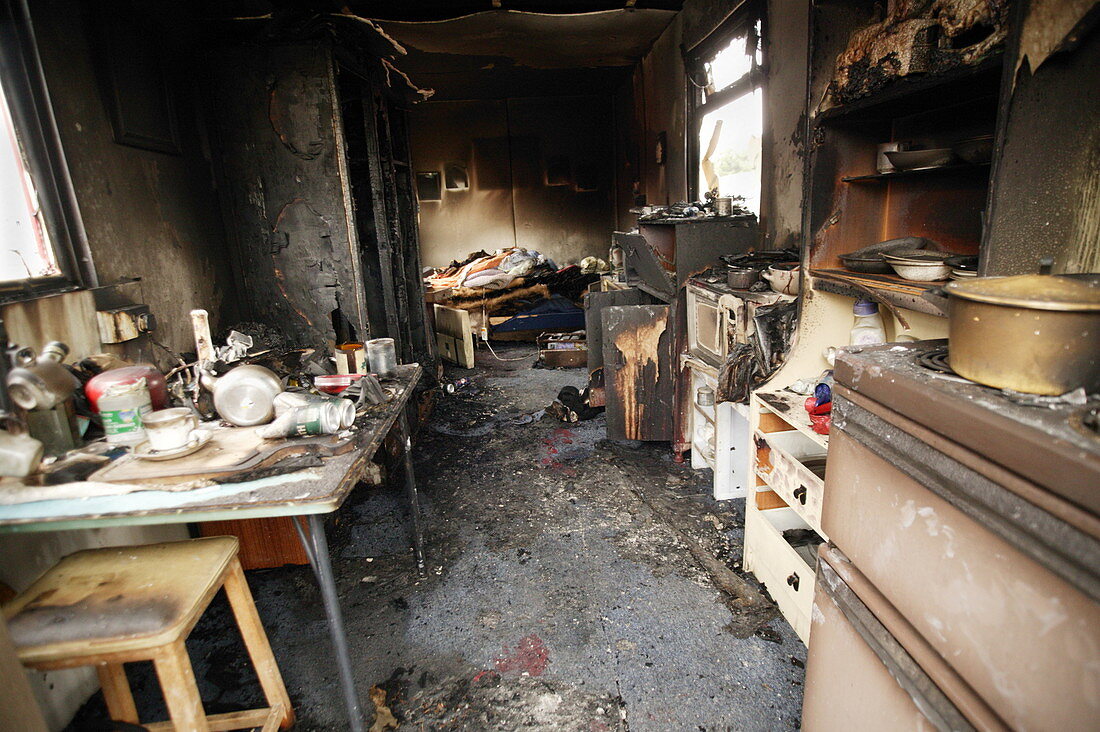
(154, 379)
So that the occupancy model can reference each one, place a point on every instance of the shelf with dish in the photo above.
(933, 201)
(967, 168)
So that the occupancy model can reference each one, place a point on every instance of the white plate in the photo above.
(198, 441)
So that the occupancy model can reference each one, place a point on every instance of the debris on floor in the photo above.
(575, 583)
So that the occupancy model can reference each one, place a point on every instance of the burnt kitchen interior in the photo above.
(531, 364)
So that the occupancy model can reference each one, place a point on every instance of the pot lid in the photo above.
(1040, 292)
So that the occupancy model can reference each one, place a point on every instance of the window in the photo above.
(729, 114)
(25, 252)
(42, 243)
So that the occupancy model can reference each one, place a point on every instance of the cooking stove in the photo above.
(936, 360)
(966, 519)
(1055, 445)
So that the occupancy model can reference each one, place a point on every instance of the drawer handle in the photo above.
(800, 495)
(793, 581)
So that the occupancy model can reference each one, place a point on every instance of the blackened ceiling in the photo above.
(431, 9)
(502, 53)
(478, 49)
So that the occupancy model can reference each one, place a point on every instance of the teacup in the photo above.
(170, 429)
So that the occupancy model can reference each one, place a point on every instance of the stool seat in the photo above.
(118, 599)
(109, 607)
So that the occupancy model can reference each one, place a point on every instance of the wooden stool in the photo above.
(107, 607)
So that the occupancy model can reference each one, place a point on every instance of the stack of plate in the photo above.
(962, 267)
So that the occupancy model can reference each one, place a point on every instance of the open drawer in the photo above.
(786, 571)
(793, 465)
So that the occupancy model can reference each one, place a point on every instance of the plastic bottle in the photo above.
(869, 328)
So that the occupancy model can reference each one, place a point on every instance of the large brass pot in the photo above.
(1038, 334)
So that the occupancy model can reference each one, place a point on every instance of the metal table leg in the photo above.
(414, 496)
(316, 547)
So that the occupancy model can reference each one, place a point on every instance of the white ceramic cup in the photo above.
(170, 429)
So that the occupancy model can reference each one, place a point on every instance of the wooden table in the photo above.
(306, 495)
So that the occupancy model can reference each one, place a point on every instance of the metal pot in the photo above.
(742, 278)
(1038, 334)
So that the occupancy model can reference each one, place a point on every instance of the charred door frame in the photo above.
(389, 236)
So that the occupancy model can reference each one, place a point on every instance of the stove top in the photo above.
(936, 360)
(1053, 445)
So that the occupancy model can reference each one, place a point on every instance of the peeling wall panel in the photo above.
(1046, 187)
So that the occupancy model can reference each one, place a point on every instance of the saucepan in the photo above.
(1038, 334)
(742, 278)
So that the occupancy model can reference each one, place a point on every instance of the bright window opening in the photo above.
(25, 250)
(729, 136)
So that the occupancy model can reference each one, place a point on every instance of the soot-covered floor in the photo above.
(572, 586)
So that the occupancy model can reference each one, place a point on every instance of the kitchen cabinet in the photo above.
(638, 371)
(964, 521)
(783, 511)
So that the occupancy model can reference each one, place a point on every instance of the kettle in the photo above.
(245, 396)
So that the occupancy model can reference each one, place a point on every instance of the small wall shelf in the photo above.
(898, 292)
(916, 173)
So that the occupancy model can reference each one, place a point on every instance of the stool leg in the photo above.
(181, 693)
(116, 692)
(255, 640)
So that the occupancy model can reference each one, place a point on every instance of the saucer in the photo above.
(198, 440)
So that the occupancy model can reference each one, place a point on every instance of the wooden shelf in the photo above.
(917, 173)
(920, 92)
(790, 407)
(901, 293)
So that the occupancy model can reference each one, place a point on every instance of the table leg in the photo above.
(316, 547)
(414, 496)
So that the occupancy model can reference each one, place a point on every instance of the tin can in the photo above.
(351, 358)
(289, 400)
(123, 407)
(320, 418)
(457, 385)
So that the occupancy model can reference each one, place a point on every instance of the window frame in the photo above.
(36, 129)
(756, 78)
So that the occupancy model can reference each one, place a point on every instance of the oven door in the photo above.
(706, 326)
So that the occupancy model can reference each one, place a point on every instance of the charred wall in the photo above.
(540, 170)
(147, 214)
(1046, 194)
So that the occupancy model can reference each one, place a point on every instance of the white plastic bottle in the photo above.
(869, 328)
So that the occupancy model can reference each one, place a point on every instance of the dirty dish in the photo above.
(919, 265)
(917, 159)
(783, 278)
(199, 440)
(869, 259)
(963, 263)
